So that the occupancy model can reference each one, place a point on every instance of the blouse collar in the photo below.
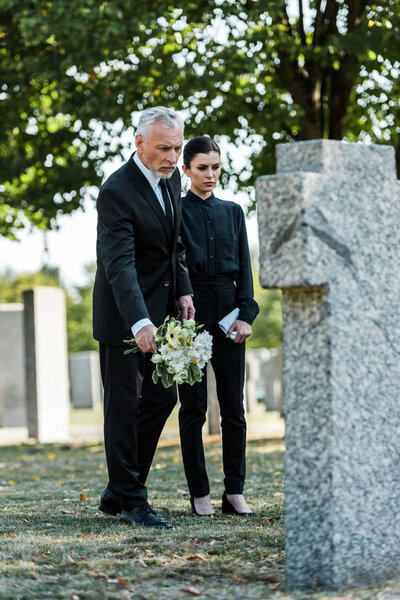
(194, 197)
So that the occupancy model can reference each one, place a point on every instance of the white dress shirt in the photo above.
(153, 181)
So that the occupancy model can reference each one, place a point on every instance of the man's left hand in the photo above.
(186, 308)
(243, 331)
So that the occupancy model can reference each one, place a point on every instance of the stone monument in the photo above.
(46, 357)
(329, 225)
(85, 379)
(12, 366)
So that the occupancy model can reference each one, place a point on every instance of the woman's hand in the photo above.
(243, 331)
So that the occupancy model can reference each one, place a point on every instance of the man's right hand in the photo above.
(145, 339)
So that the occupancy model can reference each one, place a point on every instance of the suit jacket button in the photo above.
(166, 284)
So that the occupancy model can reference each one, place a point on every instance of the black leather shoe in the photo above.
(144, 515)
(110, 503)
(228, 509)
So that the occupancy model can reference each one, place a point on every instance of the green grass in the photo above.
(44, 521)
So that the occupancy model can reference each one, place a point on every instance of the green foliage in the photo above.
(79, 306)
(267, 328)
(79, 316)
(12, 286)
(251, 70)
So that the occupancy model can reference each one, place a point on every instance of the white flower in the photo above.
(182, 352)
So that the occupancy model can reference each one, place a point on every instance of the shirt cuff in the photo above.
(139, 324)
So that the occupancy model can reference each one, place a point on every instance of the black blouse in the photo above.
(215, 236)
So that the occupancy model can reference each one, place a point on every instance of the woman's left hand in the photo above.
(243, 331)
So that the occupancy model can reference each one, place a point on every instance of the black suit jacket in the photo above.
(138, 260)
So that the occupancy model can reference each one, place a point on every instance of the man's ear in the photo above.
(139, 142)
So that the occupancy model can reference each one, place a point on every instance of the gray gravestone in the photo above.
(12, 366)
(47, 386)
(85, 381)
(213, 414)
(271, 373)
(329, 225)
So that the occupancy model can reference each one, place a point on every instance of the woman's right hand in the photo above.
(243, 330)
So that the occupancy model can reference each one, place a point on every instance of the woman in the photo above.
(217, 255)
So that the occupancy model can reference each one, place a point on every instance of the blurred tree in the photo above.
(256, 71)
(12, 285)
(267, 328)
(79, 315)
(79, 304)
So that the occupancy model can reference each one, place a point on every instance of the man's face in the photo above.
(160, 149)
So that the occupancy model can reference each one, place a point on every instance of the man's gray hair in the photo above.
(159, 113)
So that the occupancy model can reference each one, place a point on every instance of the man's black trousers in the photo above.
(135, 411)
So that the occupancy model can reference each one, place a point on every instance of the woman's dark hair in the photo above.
(199, 145)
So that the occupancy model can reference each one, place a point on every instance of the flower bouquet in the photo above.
(181, 354)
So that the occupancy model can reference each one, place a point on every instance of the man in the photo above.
(141, 271)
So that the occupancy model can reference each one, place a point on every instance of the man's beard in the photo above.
(163, 175)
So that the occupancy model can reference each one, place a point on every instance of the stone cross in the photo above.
(329, 225)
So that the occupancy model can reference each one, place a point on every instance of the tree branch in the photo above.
(356, 9)
(301, 23)
(285, 20)
(330, 16)
(317, 24)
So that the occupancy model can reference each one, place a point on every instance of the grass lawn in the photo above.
(56, 545)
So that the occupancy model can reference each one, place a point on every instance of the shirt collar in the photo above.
(151, 178)
(198, 199)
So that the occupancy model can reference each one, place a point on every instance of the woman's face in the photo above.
(204, 172)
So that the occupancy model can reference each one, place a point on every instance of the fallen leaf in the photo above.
(176, 556)
(122, 581)
(33, 575)
(278, 473)
(97, 575)
(11, 482)
(70, 561)
(196, 556)
(11, 535)
(182, 492)
(35, 477)
(67, 512)
(86, 535)
(212, 542)
(252, 544)
(149, 553)
(191, 590)
(235, 577)
(141, 562)
(83, 497)
(74, 597)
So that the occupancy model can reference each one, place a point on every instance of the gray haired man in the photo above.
(141, 277)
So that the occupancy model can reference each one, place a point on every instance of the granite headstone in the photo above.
(46, 357)
(329, 226)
